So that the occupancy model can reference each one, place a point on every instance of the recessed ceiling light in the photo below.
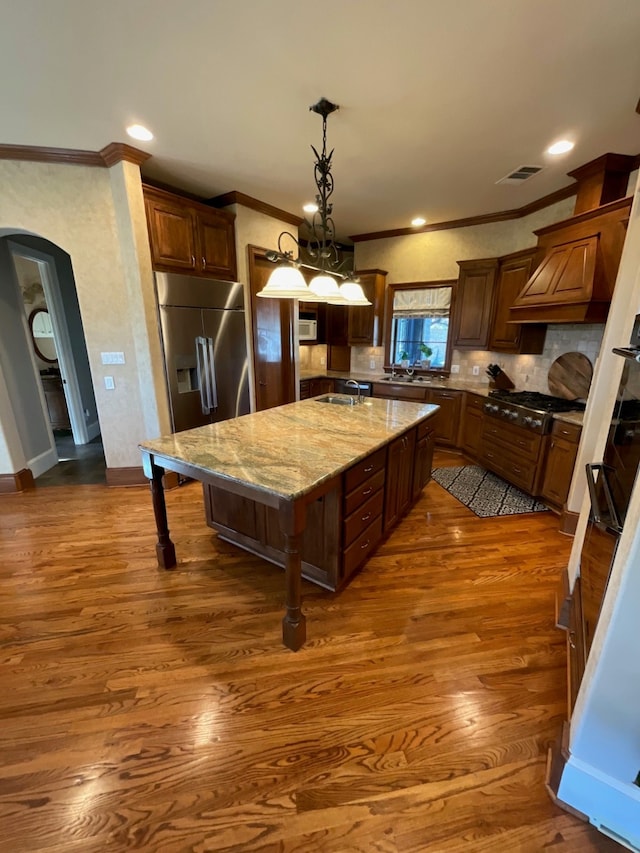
(560, 147)
(418, 221)
(137, 131)
(310, 207)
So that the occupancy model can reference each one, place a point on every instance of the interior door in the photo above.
(273, 347)
(228, 366)
(180, 329)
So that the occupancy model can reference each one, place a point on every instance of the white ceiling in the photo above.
(438, 99)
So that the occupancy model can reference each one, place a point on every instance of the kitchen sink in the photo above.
(337, 401)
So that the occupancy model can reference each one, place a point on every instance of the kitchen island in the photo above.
(313, 486)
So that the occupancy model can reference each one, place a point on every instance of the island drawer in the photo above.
(364, 469)
(360, 549)
(364, 491)
(355, 523)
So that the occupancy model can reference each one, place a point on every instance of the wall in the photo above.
(75, 208)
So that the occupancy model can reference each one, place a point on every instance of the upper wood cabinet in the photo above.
(513, 273)
(474, 303)
(365, 322)
(186, 236)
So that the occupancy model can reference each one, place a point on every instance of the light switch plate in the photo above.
(475, 370)
(455, 368)
(112, 357)
(109, 384)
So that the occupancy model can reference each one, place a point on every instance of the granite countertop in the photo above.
(289, 450)
(451, 382)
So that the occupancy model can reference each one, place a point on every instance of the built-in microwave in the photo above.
(307, 330)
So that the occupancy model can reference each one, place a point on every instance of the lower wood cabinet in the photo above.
(513, 453)
(344, 526)
(56, 402)
(472, 420)
(561, 458)
(399, 482)
(320, 386)
(447, 421)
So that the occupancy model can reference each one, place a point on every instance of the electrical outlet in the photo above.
(372, 364)
(475, 370)
(109, 384)
(323, 361)
(455, 368)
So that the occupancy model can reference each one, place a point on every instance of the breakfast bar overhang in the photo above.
(286, 458)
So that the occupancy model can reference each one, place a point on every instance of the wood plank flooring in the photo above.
(159, 711)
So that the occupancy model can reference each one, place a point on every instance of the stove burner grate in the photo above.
(538, 401)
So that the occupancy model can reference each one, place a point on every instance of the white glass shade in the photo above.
(285, 282)
(324, 286)
(349, 293)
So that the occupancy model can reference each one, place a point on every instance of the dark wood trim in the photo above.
(115, 152)
(482, 219)
(134, 476)
(153, 184)
(578, 218)
(569, 522)
(40, 154)
(112, 153)
(557, 757)
(18, 482)
(235, 197)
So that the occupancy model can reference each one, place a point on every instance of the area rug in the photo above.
(485, 494)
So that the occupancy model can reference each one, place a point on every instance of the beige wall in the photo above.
(433, 255)
(79, 209)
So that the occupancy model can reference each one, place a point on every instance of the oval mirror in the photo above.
(42, 335)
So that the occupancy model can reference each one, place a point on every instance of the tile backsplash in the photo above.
(526, 371)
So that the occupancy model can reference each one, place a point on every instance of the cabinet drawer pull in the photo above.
(365, 545)
(368, 469)
(366, 517)
(521, 442)
(193, 261)
(446, 396)
(204, 262)
(367, 491)
(572, 639)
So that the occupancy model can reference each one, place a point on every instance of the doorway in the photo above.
(63, 445)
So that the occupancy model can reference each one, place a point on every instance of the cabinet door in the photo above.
(272, 338)
(216, 244)
(474, 302)
(399, 481)
(365, 322)
(423, 462)
(337, 318)
(447, 420)
(171, 234)
(320, 386)
(559, 470)
(513, 275)
(472, 432)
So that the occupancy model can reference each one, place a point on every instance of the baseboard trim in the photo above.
(569, 522)
(557, 757)
(18, 482)
(134, 476)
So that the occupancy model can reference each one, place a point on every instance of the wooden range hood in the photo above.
(578, 258)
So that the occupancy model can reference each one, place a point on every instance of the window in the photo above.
(418, 318)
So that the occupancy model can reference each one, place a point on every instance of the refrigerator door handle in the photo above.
(213, 385)
(203, 374)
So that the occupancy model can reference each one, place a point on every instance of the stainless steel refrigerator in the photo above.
(202, 322)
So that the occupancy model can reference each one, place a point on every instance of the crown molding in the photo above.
(482, 219)
(116, 152)
(40, 154)
(235, 197)
(113, 153)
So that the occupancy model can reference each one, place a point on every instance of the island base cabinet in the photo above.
(255, 527)
(346, 524)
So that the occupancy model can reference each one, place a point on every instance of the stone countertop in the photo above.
(575, 417)
(290, 450)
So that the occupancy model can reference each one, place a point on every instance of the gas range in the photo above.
(528, 409)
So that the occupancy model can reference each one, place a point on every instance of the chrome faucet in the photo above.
(353, 384)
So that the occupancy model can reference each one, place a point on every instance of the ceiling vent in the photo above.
(522, 173)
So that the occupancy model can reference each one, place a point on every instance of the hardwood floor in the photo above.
(159, 711)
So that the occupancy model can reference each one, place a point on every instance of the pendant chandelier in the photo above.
(286, 281)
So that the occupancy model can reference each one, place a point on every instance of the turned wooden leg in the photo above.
(165, 551)
(294, 623)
